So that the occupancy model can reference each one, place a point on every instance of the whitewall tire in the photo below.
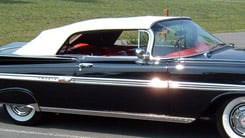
(22, 114)
(231, 118)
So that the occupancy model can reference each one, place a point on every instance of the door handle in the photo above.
(85, 65)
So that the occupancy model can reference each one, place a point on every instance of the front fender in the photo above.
(225, 96)
(17, 95)
(219, 100)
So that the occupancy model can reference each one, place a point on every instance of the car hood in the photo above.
(228, 53)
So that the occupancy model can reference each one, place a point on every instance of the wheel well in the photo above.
(17, 95)
(218, 102)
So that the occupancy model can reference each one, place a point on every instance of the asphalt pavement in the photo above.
(238, 38)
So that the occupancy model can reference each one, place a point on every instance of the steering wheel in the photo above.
(180, 43)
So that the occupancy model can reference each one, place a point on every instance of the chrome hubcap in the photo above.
(237, 119)
(21, 110)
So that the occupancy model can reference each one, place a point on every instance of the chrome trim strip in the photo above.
(32, 105)
(28, 77)
(205, 86)
(138, 116)
(84, 80)
(120, 82)
(35, 106)
(154, 83)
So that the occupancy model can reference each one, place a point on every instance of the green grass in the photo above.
(21, 20)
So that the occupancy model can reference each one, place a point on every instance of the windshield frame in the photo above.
(203, 33)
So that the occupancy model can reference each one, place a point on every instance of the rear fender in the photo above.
(11, 47)
(18, 96)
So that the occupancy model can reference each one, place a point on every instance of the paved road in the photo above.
(237, 38)
(73, 126)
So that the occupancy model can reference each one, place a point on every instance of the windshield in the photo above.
(181, 38)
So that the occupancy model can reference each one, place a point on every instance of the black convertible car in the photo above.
(150, 68)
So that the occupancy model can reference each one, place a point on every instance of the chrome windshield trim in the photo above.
(116, 114)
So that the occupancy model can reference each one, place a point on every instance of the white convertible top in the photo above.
(49, 41)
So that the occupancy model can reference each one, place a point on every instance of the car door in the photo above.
(121, 84)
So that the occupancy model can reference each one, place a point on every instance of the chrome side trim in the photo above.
(154, 83)
(35, 106)
(28, 77)
(85, 80)
(205, 86)
(32, 105)
(138, 116)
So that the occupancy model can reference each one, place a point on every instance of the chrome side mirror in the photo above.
(140, 52)
(142, 55)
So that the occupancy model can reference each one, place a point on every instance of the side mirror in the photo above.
(140, 52)
(142, 55)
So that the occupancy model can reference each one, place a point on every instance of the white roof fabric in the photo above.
(49, 41)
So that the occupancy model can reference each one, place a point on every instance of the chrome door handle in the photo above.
(85, 65)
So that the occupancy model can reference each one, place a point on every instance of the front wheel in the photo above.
(231, 118)
(22, 114)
